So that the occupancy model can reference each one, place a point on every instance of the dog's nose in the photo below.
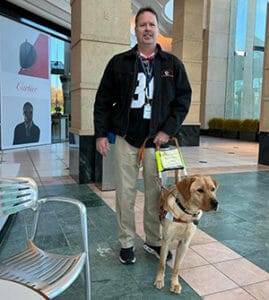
(214, 204)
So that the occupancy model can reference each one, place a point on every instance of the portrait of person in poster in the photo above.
(27, 131)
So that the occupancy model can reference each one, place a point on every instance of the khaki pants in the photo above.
(126, 174)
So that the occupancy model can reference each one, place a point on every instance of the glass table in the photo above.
(13, 290)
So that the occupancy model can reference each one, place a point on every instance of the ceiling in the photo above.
(59, 11)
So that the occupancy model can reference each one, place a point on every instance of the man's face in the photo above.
(147, 29)
(28, 114)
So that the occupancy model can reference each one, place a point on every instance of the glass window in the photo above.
(241, 25)
(258, 55)
(169, 10)
(260, 22)
(257, 82)
(57, 68)
(245, 67)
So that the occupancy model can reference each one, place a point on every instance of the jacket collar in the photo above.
(133, 52)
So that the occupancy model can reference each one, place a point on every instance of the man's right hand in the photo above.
(102, 145)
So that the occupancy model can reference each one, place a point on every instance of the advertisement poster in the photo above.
(25, 86)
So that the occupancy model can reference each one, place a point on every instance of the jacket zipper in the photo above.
(154, 92)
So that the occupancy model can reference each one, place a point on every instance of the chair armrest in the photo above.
(83, 216)
(76, 202)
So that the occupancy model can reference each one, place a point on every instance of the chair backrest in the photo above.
(16, 194)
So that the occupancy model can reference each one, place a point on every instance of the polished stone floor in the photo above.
(228, 257)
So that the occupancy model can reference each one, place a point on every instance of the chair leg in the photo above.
(87, 279)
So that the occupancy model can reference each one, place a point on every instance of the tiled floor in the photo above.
(228, 257)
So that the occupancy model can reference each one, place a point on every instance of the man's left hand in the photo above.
(161, 138)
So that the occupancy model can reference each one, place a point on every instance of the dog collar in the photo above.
(185, 210)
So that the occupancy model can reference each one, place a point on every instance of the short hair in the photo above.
(27, 104)
(145, 9)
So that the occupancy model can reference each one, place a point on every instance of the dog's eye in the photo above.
(213, 189)
(200, 190)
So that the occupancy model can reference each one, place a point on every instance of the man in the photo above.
(144, 93)
(26, 132)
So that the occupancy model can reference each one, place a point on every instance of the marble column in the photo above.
(188, 46)
(100, 29)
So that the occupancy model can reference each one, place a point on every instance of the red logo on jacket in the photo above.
(167, 73)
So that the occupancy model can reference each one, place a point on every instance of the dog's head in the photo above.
(199, 192)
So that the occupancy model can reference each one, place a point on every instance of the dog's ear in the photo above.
(216, 183)
(184, 187)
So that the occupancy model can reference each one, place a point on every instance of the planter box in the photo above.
(248, 136)
(230, 134)
(214, 132)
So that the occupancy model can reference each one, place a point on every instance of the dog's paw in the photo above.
(175, 288)
(159, 283)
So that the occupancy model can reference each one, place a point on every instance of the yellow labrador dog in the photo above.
(181, 208)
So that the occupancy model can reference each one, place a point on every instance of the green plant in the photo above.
(56, 109)
(250, 125)
(216, 123)
(232, 124)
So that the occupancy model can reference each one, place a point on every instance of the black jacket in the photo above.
(172, 94)
(21, 136)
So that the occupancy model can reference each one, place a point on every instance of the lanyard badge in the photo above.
(147, 111)
(147, 67)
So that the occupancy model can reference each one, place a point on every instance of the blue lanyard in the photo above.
(148, 73)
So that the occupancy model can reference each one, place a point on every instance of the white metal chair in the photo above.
(50, 273)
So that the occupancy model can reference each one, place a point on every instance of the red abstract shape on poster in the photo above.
(41, 67)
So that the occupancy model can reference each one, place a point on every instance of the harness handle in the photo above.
(171, 139)
(141, 154)
(141, 151)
